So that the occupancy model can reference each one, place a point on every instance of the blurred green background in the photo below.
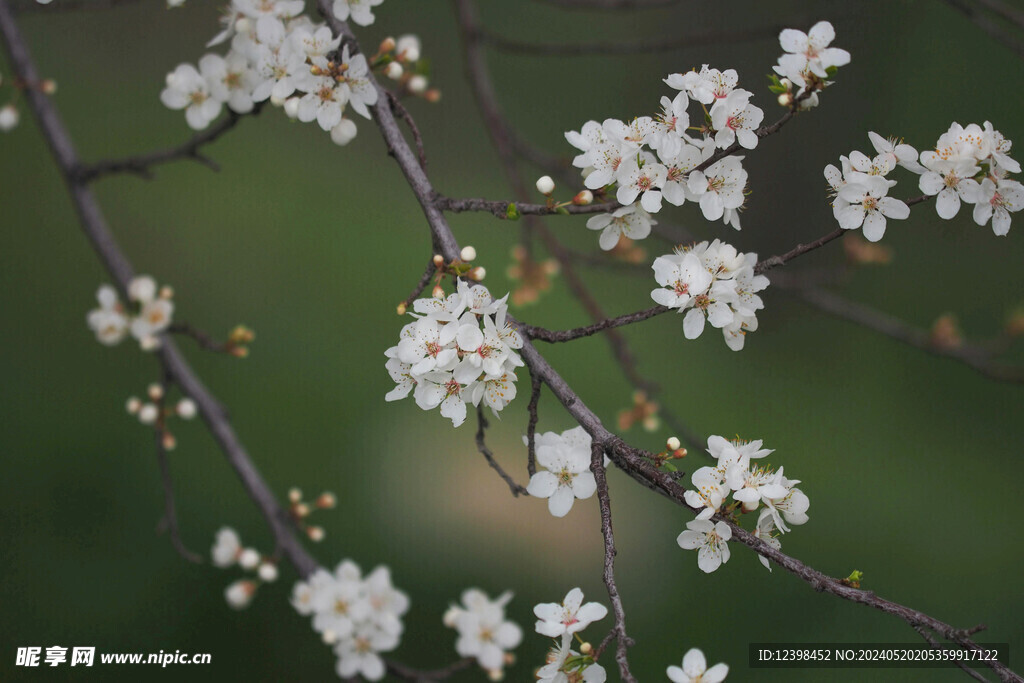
(912, 463)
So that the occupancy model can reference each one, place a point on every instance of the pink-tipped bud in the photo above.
(387, 45)
(133, 405)
(315, 533)
(438, 260)
(294, 495)
(438, 292)
(583, 198)
(326, 500)
(155, 391)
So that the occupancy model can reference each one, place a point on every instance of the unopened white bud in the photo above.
(150, 343)
(329, 637)
(249, 559)
(315, 533)
(186, 409)
(417, 84)
(291, 107)
(243, 25)
(786, 83)
(344, 132)
(8, 117)
(468, 254)
(294, 495)
(239, 594)
(394, 71)
(451, 617)
(132, 405)
(785, 99)
(478, 273)
(277, 101)
(673, 443)
(583, 198)
(408, 48)
(545, 185)
(496, 675)
(155, 391)
(267, 572)
(148, 414)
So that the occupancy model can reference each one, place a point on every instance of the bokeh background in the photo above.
(912, 463)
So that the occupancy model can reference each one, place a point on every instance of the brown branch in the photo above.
(500, 207)
(931, 640)
(976, 356)
(500, 42)
(531, 425)
(1002, 9)
(398, 108)
(985, 23)
(612, 4)
(425, 279)
(604, 500)
(542, 334)
(481, 445)
(202, 338)
(142, 164)
(409, 674)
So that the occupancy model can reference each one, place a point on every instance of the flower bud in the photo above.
(267, 572)
(166, 292)
(478, 273)
(408, 48)
(583, 198)
(433, 96)
(586, 648)
(451, 617)
(148, 414)
(387, 45)
(277, 101)
(468, 254)
(786, 99)
(132, 405)
(186, 409)
(417, 84)
(315, 533)
(291, 107)
(326, 500)
(155, 391)
(48, 86)
(301, 510)
(239, 594)
(249, 559)
(496, 675)
(401, 308)
(243, 25)
(545, 185)
(329, 637)
(294, 495)
(394, 71)
(8, 117)
(438, 292)
(344, 132)
(673, 443)
(786, 83)
(438, 260)
(168, 441)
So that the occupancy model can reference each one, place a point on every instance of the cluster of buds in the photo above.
(546, 186)
(643, 411)
(155, 412)
(461, 267)
(9, 114)
(238, 341)
(227, 552)
(300, 510)
(673, 451)
(533, 276)
(400, 61)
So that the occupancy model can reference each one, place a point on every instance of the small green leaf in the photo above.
(512, 212)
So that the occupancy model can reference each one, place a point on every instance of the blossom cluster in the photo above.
(112, 321)
(969, 164)
(809, 60)
(227, 551)
(566, 475)
(484, 632)
(459, 350)
(750, 485)
(713, 283)
(651, 159)
(280, 55)
(359, 616)
(562, 621)
(156, 412)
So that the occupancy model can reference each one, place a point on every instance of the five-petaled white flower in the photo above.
(695, 670)
(571, 616)
(709, 540)
(566, 476)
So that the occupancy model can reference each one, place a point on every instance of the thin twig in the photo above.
(142, 164)
(985, 23)
(481, 445)
(923, 632)
(542, 334)
(202, 338)
(425, 279)
(169, 521)
(500, 207)
(403, 113)
(409, 674)
(623, 640)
